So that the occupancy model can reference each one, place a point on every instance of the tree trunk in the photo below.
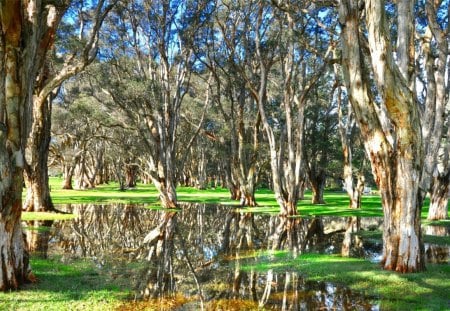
(345, 131)
(440, 191)
(38, 193)
(395, 166)
(130, 175)
(67, 177)
(353, 225)
(317, 180)
(36, 172)
(15, 269)
(248, 195)
(355, 198)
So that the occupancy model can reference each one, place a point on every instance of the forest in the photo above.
(254, 100)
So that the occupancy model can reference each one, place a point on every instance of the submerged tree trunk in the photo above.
(37, 237)
(395, 166)
(353, 225)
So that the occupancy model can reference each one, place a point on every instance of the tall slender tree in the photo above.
(435, 47)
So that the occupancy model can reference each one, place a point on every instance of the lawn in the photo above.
(337, 202)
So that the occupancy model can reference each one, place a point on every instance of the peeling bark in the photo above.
(395, 166)
(15, 269)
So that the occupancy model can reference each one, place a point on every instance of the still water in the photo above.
(216, 256)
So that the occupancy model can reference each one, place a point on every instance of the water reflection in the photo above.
(210, 253)
(437, 253)
(38, 236)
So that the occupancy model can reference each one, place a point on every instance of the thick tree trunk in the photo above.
(235, 192)
(131, 176)
(396, 166)
(38, 193)
(248, 195)
(15, 269)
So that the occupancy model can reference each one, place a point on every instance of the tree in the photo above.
(347, 135)
(50, 74)
(320, 136)
(227, 48)
(27, 32)
(148, 77)
(282, 108)
(435, 42)
(395, 154)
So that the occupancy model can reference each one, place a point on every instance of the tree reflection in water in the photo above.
(37, 236)
(211, 253)
(437, 253)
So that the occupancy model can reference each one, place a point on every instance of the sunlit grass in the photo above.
(46, 216)
(337, 203)
(416, 291)
(73, 286)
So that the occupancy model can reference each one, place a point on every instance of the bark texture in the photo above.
(15, 269)
(396, 155)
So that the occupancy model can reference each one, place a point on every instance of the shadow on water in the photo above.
(203, 253)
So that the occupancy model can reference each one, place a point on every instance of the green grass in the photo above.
(76, 285)
(102, 194)
(46, 216)
(417, 291)
(336, 202)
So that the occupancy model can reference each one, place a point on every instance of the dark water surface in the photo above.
(214, 254)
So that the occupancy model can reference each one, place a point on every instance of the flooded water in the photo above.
(215, 255)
